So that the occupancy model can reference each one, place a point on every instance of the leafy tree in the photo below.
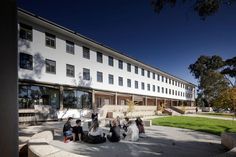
(230, 70)
(226, 99)
(211, 81)
(203, 8)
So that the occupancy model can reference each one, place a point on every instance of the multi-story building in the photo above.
(61, 68)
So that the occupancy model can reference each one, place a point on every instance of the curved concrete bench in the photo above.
(38, 146)
(229, 141)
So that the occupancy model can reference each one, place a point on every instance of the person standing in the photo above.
(94, 116)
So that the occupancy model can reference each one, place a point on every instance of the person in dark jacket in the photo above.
(67, 130)
(115, 132)
(94, 116)
(78, 131)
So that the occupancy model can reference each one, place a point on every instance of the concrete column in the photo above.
(61, 88)
(115, 98)
(93, 100)
(8, 80)
(145, 101)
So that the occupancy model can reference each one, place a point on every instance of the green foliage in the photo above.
(203, 8)
(211, 81)
(227, 99)
(214, 126)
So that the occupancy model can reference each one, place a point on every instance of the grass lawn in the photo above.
(214, 126)
(227, 115)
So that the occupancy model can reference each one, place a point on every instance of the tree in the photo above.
(211, 82)
(204, 8)
(226, 99)
(230, 70)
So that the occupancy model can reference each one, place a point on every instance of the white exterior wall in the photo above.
(59, 54)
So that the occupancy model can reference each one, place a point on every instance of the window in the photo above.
(173, 82)
(154, 76)
(153, 88)
(169, 81)
(26, 61)
(158, 77)
(173, 92)
(178, 84)
(86, 74)
(158, 89)
(110, 61)
(183, 94)
(50, 66)
(170, 91)
(162, 78)
(70, 70)
(142, 72)
(136, 84)
(86, 53)
(166, 91)
(128, 67)
(120, 64)
(99, 77)
(166, 80)
(148, 87)
(148, 74)
(111, 79)
(99, 57)
(26, 32)
(128, 83)
(136, 69)
(162, 89)
(120, 81)
(70, 47)
(50, 40)
(178, 93)
(143, 87)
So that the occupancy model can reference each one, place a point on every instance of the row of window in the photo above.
(50, 41)
(26, 62)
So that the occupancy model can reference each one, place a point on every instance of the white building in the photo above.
(59, 67)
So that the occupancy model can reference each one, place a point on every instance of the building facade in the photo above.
(61, 68)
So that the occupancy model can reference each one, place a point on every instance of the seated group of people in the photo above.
(132, 131)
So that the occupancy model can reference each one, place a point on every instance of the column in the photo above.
(93, 100)
(156, 101)
(145, 101)
(61, 88)
(9, 80)
(116, 98)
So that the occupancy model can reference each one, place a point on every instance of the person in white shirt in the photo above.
(95, 134)
(132, 132)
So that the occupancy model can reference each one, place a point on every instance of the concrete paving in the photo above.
(161, 141)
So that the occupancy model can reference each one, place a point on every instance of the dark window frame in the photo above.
(27, 64)
(120, 64)
(86, 74)
(129, 67)
(26, 32)
(50, 40)
(110, 61)
(70, 47)
(86, 52)
(110, 79)
(70, 70)
(99, 76)
(99, 57)
(50, 70)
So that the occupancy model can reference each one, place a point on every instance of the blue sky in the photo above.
(170, 41)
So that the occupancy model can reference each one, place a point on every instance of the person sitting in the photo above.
(95, 134)
(132, 132)
(78, 131)
(140, 126)
(67, 130)
(125, 123)
(115, 132)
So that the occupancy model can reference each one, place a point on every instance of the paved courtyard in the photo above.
(161, 141)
